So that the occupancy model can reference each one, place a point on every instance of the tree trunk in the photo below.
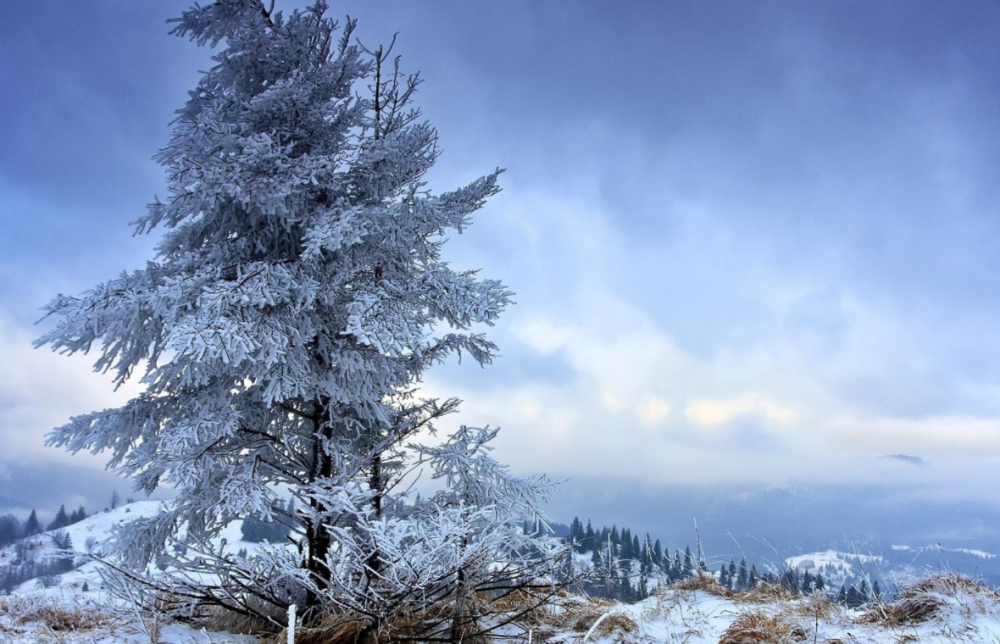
(316, 533)
(462, 618)
(375, 483)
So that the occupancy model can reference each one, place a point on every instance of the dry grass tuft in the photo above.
(924, 600)
(331, 630)
(215, 618)
(905, 611)
(817, 606)
(763, 594)
(58, 618)
(951, 584)
(615, 624)
(511, 602)
(756, 627)
(705, 583)
(572, 614)
(581, 616)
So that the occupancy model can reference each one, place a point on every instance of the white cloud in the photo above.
(709, 412)
(40, 390)
(653, 410)
(633, 403)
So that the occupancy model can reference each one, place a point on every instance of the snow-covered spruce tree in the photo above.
(281, 333)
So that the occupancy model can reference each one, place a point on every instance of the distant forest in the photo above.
(12, 529)
(631, 567)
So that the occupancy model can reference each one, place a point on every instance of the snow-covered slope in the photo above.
(838, 568)
(100, 527)
(94, 535)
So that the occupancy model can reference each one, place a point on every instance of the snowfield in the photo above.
(944, 609)
(939, 548)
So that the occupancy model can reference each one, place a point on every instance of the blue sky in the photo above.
(751, 242)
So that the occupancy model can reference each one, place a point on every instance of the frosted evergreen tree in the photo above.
(284, 326)
(10, 529)
(61, 519)
(677, 569)
(32, 526)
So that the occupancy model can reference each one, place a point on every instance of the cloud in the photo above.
(709, 412)
(40, 390)
(783, 256)
(653, 410)
(632, 402)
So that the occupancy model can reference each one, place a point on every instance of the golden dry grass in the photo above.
(816, 607)
(216, 618)
(511, 602)
(330, 630)
(951, 584)
(57, 617)
(924, 600)
(757, 627)
(763, 594)
(572, 614)
(704, 583)
(905, 611)
(580, 616)
(616, 624)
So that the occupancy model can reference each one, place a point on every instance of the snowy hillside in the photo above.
(91, 536)
(837, 568)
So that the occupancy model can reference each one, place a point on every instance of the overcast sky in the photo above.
(752, 242)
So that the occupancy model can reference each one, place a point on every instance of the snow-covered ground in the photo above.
(948, 609)
(962, 612)
(67, 618)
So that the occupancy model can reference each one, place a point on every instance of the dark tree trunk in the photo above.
(317, 535)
